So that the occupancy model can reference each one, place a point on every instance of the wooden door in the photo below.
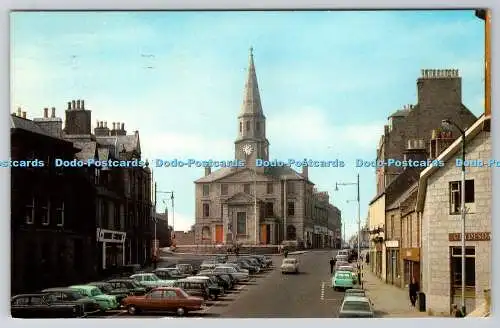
(219, 233)
(263, 233)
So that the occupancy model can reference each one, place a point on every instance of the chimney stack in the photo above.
(208, 170)
(24, 114)
(305, 171)
(78, 104)
(19, 113)
(73, 104)
(106, 124)
(83, 104)
(114, 126)
(123, 126)
(69, 105)
(45, 113)
(53, 114)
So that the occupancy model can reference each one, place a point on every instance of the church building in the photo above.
(257, 205)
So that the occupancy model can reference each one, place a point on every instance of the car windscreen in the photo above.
(356, 306)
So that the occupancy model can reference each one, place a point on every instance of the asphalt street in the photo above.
(274, 295)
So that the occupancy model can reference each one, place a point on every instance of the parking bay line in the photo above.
(240, 287)
(322, 296)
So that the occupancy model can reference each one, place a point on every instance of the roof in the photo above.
(396, 203)
(82, 286)
(87, 149)
(470, 134)
(281, 173)
(251, 100)
(374, 199)
(356, 298)
(400, 113)
(17, 122)
(56, 289)
(116, 144)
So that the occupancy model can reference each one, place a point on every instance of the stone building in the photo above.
(252, 204)
(410, 236)
(439, 96)
(438, 205)
(52, 214)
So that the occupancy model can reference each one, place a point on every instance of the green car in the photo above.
(343, 280)
(106, 302)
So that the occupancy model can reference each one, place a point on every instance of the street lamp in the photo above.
(337, 184)
(447, 124)
(171, 193)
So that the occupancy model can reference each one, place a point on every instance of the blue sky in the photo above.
(328, 81)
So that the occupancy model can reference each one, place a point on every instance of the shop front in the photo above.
(112, 248)
(393, 266)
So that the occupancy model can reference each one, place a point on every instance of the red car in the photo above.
(164, 299)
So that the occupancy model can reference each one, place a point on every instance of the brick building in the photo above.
(438, 205)
(250, 204)
(52, 211)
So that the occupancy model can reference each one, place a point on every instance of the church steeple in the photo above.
(251, 100)
(251, 121)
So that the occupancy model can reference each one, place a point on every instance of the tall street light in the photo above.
(337, 184)
(447, 124)
(171, 193)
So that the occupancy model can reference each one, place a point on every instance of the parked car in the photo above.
(221, 258)
(255, 262)
(355, 292)
(246, 265)
(214, 289)
(40, 306)
(343, 280)
(71, 296)
(108, 289)
(131, 285)
(196, 288)
(151, 280)
(234, 265)
(106, 302)
(168, 299)
(339, 264)
(223, 280)
(264, 259)
(237, 276)
(356, 307)
(169, 273)
(351, 269)
(290, 265)
(186, 268)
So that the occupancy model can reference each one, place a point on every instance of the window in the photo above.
(248, 125)
(44, 211)
(456, 269)
(257, 126)
(169, 294)
(224, 189)
(392, 227)
(156, 294)
(269, 189)
(455, 195)
(29, 215)
(59, 205)
(206, 210)
(269, 209)
(241, 127)
(291, 209)
(241, 223)
(206, 190)
(246, 188)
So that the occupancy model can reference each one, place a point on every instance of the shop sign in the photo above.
(470, 236)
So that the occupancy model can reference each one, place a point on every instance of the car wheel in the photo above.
(131, 309)
(180, 312)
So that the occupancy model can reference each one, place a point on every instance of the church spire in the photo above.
(251, 98)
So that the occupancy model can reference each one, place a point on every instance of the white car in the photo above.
(290, 266)
(234, 265)
(238, 276)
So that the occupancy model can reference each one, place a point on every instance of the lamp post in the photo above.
(171, 193)
(337, 184)
(447, 125)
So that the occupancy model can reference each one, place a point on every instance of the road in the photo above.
(274, 295)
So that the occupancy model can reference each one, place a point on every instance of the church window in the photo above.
(223, 189)
(246, 188)
(206, 190)
(257, 126)
(241, 223)
(248, 125)
(206, 210)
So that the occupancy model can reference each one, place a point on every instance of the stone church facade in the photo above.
(256, 205)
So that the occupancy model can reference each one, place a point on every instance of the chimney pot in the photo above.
(45, 112)
(73, 104)
(97, 124)
(78, 104)
(83, 104)
(69, 105)
(123, 126)
(53, 114)
(114, 125)
(208, 170)
(19, 113)
(106, 124)
(24, 114)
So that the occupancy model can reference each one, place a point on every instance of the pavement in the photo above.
(389, 301)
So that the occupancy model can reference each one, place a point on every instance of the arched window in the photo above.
(291, 233)
(241, 127)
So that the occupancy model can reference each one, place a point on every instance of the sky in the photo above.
(328, 81)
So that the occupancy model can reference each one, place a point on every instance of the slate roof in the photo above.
(277, 172)
(395, 204)
(116, 144)
(87, 149)
(17, 122)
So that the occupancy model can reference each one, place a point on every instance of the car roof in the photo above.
(83, 286)
(58, 289)
(356, 299)
(342, 272)
(356, 290)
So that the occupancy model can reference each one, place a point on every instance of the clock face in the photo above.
(247, 149)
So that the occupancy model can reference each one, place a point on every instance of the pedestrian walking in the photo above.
(456, 312)
(332, 264)
(413, 289)
(285, 253)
